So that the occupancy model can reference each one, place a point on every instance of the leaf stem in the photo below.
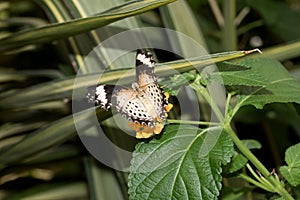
(175, 121)
(254, 182)
(262, 183)
(227, 106)
(204, 92)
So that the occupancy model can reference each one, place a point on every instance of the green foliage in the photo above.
(182, 164)
(292, 171)
(283, 26)
(247, 73)
(251, 144)
(265, 81)
(77, 26)
(238, 161)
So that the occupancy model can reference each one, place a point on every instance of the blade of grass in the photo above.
(174, 17)
(84, 43)
(44, 138)
(59, 153)
(101, 181)
(281, 52)
(10, 129)
(7, 76)
(74, 190)
(229, 31)
(76, 26)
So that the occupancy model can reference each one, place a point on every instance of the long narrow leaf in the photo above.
(281, 52)
(72, 190)
(74, 27)
(42, 139)
(63, 88)
(175, 17)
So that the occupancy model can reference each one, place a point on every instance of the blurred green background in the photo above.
(41, 156)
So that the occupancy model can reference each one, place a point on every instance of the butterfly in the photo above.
(144, 105)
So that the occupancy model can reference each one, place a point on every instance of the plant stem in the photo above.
(229, 31)
(277, 187)
(174, 121)
(265, 185)
(204, 92)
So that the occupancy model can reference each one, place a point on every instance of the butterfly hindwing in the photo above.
(133, 108)
(155, 95)
(102, 95)
(126, 101)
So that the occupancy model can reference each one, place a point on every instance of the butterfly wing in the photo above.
(124, 100)
(145, 105)
(147, 82)
(144, 67)
(132, 107)
(102, 94)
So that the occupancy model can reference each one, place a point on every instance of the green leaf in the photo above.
(77, 26)
(292, 171)
(251, 144)
(175, 83)
(239, 161)
(280, 198)
(282, 21)
(292, 175)
(267, 81)
(185, 163)
(292, 156)
(234, 193)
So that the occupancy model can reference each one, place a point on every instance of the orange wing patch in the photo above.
(144, 131)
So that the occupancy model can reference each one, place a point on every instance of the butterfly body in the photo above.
(144, 104)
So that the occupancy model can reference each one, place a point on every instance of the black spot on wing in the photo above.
(135, 111)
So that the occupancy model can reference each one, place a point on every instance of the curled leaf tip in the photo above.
(253, 50)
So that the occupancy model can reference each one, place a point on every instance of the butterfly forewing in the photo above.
(147, 82)
(144, 68)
